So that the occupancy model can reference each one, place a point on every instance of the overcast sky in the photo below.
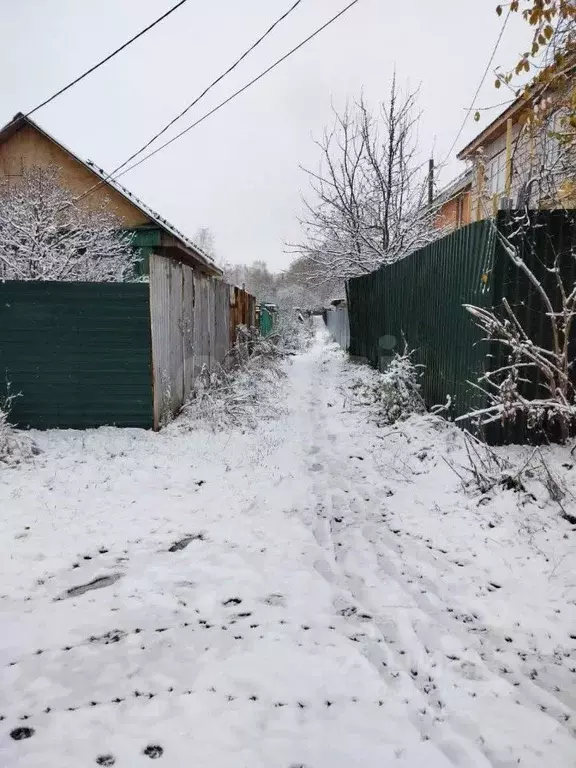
(238, 173)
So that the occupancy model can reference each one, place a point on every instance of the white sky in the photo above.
(238, 173)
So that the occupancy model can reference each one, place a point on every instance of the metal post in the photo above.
(430, 181)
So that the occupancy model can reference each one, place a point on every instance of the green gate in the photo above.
(266, 321)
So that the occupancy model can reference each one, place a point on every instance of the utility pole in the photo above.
(430, 181)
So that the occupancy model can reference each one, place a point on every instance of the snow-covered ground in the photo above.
(317, 593)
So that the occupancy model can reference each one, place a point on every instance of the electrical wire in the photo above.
(100, 63)
(471, 107)
(107, 59)
(226, 101)
(208, 88)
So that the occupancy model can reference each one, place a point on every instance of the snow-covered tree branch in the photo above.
(44, 235)
(549, 366)
(368, 206)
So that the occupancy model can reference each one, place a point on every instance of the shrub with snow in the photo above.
(241, 393)
(14, 446)
(293, 328)
(395, 393)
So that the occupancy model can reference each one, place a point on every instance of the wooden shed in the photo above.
(24, 145)
(88, 354)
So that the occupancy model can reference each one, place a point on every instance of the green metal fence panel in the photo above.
(418, 301)
(79, 354)
(549, 243)
(266, 322)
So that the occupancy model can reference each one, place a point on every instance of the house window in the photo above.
(551, 145)
(497, 173)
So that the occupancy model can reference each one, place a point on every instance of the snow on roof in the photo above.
(456, 185)
(151, 213)
(20, 119)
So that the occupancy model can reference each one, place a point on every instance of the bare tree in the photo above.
(44, 235)
(369, 193)
(204, 238)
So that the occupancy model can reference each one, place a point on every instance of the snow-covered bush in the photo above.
(536, 477)
(14, 446)
(293, 327)
(395, 393)
(549, 410)
(240, 393)
(46, 235)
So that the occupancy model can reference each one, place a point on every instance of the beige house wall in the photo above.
(532, 153)
(28, 148)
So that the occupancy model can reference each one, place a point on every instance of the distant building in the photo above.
(453, 203)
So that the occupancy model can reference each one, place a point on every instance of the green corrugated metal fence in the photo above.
(420, 299)
(79, 353)
(549, 242)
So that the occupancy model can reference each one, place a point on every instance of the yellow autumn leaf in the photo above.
(548, 32)
(476, 116)
(497, 84)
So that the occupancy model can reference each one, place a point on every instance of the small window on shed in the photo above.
(13, 166)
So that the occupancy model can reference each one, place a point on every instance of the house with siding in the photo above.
(517, 161)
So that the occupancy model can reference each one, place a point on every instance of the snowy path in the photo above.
(315, 594)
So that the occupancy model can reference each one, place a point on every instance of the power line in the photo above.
(208, 88)
(105, 60)
(471, 107)
(230, 98)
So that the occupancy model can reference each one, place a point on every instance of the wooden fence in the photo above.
(194, 320)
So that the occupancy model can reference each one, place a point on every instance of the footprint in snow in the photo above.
(18, 734)
(153, 751)
(183, 543)
(105, 760)
(98, 583)
(275, 598)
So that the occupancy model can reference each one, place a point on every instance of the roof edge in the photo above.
(206, 262)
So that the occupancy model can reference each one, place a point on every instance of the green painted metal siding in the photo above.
(147, 240)
(79, 353)
(266, 322)
(419, 300)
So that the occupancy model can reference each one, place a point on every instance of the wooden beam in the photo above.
(508, 185)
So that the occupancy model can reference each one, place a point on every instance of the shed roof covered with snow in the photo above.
(24, 144)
